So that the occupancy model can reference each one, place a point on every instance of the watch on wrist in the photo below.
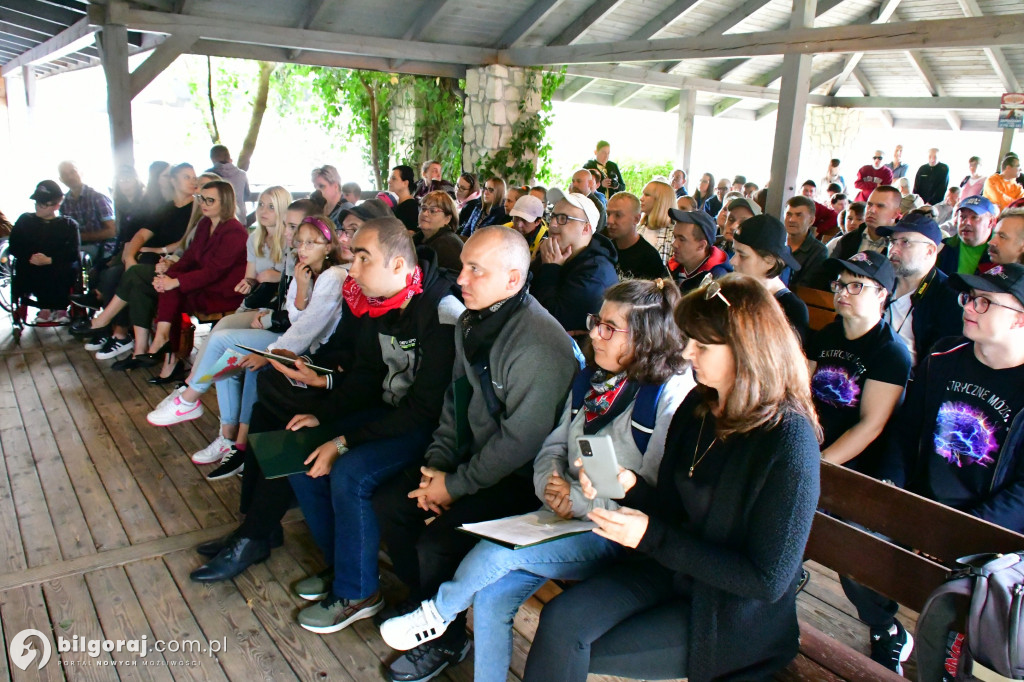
(342, 448)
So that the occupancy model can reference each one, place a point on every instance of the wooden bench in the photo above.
(904, 575)
(820, 306)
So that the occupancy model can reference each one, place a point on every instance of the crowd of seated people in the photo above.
(474, 332)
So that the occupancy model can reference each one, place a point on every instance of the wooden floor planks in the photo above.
(98, 515)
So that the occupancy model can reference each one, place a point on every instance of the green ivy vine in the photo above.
(526, 154)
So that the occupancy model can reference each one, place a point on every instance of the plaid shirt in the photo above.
(90, 209)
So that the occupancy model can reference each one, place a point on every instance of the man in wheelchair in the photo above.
(45, 247)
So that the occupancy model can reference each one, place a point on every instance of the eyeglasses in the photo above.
(431, 210)
(852, 288)
(713, 289)
(562, 218)
(604, 330)
(463, 188)
(308, 245)
(902, 242)
(877, 158)
(47, 204)
(981, 304)
(206, 201)
(347, 231)
(488, 189)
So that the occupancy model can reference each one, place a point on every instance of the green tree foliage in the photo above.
(439, 122)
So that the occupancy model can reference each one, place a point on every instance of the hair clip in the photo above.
(660, 283)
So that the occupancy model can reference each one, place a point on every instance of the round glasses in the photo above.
(431, 210)
(604, 330)
(852, 288)
(308, 245)
(981, 304)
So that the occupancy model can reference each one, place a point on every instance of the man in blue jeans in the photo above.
(383, 410)
(514, 365)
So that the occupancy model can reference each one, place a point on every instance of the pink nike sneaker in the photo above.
(175, 411)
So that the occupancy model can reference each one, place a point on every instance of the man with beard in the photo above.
(883, 209)
(919, 309)
(1007, 242)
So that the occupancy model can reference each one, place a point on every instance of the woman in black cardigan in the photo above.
(710, 593)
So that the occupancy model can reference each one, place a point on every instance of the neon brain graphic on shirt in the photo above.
(834, 386)
(964, 436)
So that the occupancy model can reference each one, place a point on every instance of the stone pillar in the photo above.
(830, 133)
(403, 129)
(497, 97)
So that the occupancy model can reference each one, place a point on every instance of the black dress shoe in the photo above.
(87, 301)
(177, 374)
(214, 547)
(232, 560)
(82, 328)
(153, 359)
(131, 362)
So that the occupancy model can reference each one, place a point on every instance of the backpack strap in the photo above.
(645, 413)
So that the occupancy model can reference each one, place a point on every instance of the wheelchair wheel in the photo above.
(6, 278)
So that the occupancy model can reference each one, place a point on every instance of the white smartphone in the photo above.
(601, 465)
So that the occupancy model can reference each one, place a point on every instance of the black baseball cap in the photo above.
(1001, 279)
(915, 222)
(766, 233)
(870, 264)
(47, 191)
(698, 218)
(367, 210)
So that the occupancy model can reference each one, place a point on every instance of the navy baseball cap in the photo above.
(978, 204)
(915, 222)
(766, 233)
(47, 191)
(367, 210)
(1001, 279)
(699, 218)
(870, 264)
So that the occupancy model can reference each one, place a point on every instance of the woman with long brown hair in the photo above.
(710, 592)
(489, 209)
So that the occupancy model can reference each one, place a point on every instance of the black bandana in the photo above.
(481, 327)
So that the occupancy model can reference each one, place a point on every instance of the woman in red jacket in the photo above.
(204, 279)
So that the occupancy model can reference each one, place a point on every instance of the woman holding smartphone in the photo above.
(636, 349)
(721, 535)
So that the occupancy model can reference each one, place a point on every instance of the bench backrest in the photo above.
(820, 306)
(911, 521)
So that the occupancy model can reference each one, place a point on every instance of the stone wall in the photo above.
(403, 127)
(493, 98)
(830, 133)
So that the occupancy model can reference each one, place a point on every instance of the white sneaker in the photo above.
(114, 347)
(175, 411)
(415, 628)
(170, 397)
(214, 452)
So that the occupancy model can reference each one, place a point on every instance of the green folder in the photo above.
(282, 453)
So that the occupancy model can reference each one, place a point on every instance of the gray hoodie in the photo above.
(532, 365)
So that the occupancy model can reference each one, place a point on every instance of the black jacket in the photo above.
(936, 313)
(948, 259)
(472, 216)
(849, 243)
(569, 292)
(403, 359)
(613, 173)
(931, 183)
(744, 560)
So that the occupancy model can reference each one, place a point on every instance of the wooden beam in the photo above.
(162, 57)
(57, 14)
(114, 48)
(346, 61)
(937, 34)
(817, 80)
(645, 104)
(1005, 144)
(305, 39)
(310, 14)
(674, 12)
(72, 39)
(425, 18)
(994, 55)
(735, 17)
(597, 11)
(571, 90)
(941, 102)
(626, 93)
(789, 123)
(536, 13)
(183, 6)
(684, 129)
(764, 79)
(924, 71)
(639, 76)
(869, 90)
(885, 12)
(28, 77)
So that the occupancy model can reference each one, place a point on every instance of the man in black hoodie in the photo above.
(574, 265)
(382, 412)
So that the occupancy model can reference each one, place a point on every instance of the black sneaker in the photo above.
(82, 328)
(114, 347)
(426, 662)
(230, 465)
(890, 649)
(87, 300)
(97, 342)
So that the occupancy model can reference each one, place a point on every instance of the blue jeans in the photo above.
(235, 395)
(497, 580)
(337, 506)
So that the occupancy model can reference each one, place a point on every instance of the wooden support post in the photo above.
(28, 77)
(684, 133)
(1004, 146)
(789, 124)
(114, 53)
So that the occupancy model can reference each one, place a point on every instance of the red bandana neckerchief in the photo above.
(360, 304)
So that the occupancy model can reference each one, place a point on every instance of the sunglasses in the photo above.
(713, 289)
(877, 158)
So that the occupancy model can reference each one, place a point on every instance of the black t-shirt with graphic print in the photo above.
(970, 425)
(843, 367)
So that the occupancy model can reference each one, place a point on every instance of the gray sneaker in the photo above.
(334, 613)
(315, 587)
